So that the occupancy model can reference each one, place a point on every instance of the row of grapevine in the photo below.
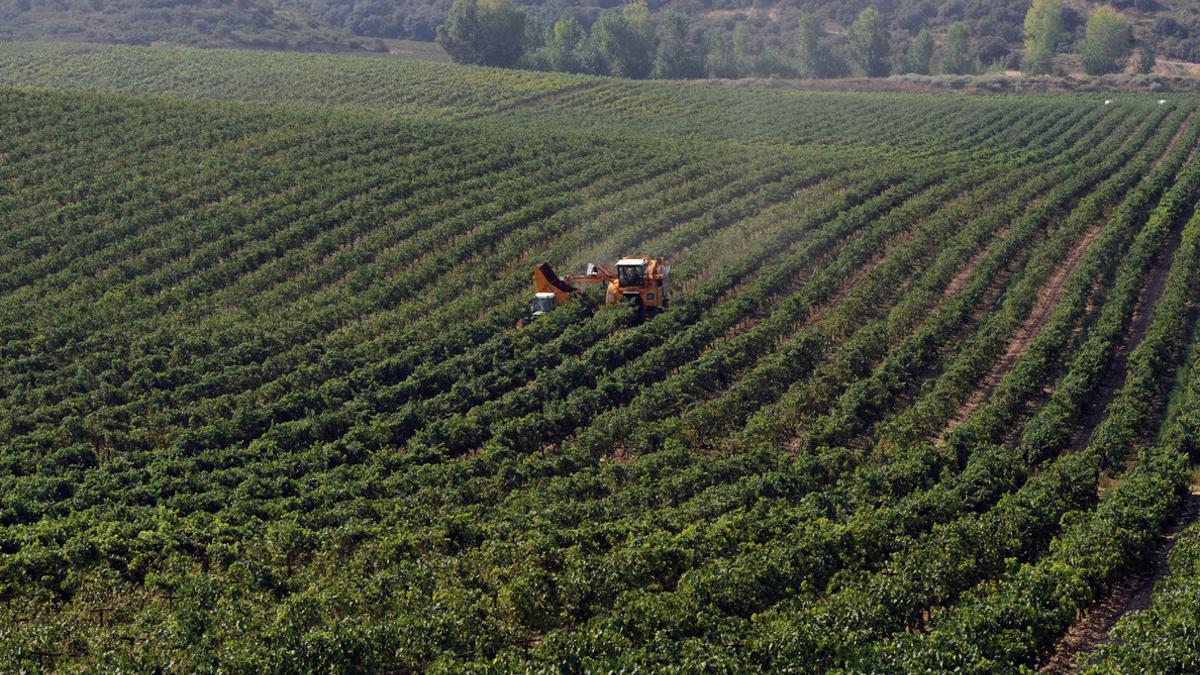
(1033, 605)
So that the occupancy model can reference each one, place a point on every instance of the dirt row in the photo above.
(1048, 298)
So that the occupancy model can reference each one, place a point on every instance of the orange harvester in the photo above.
(645, 282)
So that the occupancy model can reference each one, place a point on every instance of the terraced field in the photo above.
(926, 394)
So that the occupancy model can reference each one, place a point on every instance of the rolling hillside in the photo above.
(927, 392)
(368, 25)
(255, 24)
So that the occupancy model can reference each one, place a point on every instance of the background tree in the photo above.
(718, 57)
(1106, 46)
(919, 54)
(1043, 29)
(535, 34)
(564, 45)
(741, 43)
(591, 59)
(992, 50)
(808, 45)
(772, 62)
(461, 34)
(1147, 55)
(504, 25)
(959, 58)
(870, 43)
(626, 42)
(483, 32)
(674, 59)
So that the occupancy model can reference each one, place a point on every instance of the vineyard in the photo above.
(927, 393)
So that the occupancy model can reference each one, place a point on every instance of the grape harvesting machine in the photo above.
(644, 282)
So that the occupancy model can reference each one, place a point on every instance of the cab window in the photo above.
(629, 275)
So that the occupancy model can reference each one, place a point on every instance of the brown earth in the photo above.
(1118, 369)
(1048, 298)
(1043, 306)
(771, 13)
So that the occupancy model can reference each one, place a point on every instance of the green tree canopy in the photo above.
(718, 57)
(674, 59)
(564, 45)
(919, 54)
(1147, 56)
(959, 57)
(741, 41)
(808, 45)
(870, 43)
(626, 42)
(483, 32)
(1106, 46)
(1043, 29)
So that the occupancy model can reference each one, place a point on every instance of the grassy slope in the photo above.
(444, 91)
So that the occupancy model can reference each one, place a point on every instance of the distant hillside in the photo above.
(997, 25)
(349, 25)
(201, 23)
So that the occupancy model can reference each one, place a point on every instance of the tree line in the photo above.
(634, 43)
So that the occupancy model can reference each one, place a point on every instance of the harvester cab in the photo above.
(542, 303)
(643, 282)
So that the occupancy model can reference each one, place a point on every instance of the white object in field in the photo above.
(1162, 101)
(1108, 101)
(542, 303)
